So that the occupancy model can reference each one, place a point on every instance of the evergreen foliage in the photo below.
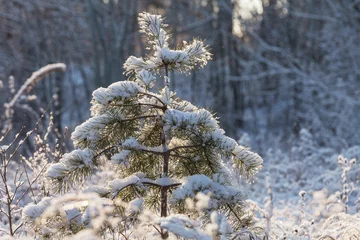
(173, 162)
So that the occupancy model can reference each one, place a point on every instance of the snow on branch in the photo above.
(89, 131)
(135, 206)
(223, 142)
(124, 89)
(197, 53)
(248, 162)
(134, 64)
(101, 190)
(219, 193)
(197, 119)
(168, 56)
(145, 77)
(120, 157)
(86, 209)
(182, 226)
(153, 27)
(76, 161)
(33, 211)
(182, 59)
(164, 182)
(117, 185)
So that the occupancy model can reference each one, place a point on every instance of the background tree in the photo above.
(271, 62)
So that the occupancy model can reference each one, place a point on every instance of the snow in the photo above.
(97, 189)
(100, 95)
(219, 225)
(172, 56)
(87, 234)
(202, 201)
(200, 183)
(152, 25)
(166, 181)
(196, 48)
(224, 142)
(90, 129)
(56, 170)
(120, 157)
(33, 211)
(131, 143)
(179, 119)
(197, 52)
(3, 148)
(150, 100)
(184, 106)
(73, 213)
(123, 90)
(76, 159)
(302, 193)
(117, 185)
(134, 64)
(146, 77)
(184, 59)
(341, 226)
(135, 206)
(166, 95)
(248, 158)
(182, 226)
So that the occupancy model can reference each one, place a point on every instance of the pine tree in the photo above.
(174, 160)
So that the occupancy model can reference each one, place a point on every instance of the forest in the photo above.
(180, 119)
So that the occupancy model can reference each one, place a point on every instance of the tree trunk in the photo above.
(166, 155)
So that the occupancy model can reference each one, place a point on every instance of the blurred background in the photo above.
(279, 66)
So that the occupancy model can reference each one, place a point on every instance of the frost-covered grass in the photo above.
(312, 192)
(297, 203)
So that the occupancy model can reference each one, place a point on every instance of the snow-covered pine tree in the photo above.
(173, 160)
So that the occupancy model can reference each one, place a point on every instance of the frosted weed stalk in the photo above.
(19, 177)
(269, 205)
(345, 165)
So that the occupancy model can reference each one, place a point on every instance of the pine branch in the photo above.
(138, 117)
(151, 95)
(139, 104)
(233, 211)
(105, 150)
(160, 186)
(184, 147)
